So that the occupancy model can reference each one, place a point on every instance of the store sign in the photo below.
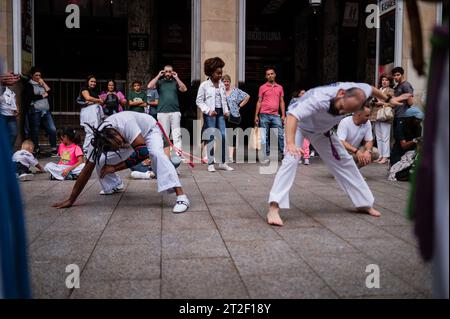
(138, 42)
(387, 5)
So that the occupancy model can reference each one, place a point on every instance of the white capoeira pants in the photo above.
(345, 171)
(92, 115)
(161, 164)
(56, 170)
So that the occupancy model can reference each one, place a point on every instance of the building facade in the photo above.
(132, 40)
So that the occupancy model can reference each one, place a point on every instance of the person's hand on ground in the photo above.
(66, 204)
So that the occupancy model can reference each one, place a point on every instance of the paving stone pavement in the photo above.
(130, 245)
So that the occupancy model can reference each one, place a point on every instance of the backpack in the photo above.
(111, 105)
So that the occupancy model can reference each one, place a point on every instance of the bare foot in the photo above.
(372, 212)
(273, 218)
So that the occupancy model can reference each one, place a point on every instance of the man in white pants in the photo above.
(122, 141)
(312, 117)
(168, 85)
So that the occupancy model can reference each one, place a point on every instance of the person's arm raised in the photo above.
(181, 85)
(152, 84)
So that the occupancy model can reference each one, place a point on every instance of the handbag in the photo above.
(234, 120)
(81, 101)
(255, 139)
(385, 114)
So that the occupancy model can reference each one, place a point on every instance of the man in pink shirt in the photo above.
(270, 100)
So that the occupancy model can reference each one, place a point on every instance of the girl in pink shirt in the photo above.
(71, 158)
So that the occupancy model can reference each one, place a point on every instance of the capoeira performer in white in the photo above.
(312, 117)
(122, 141)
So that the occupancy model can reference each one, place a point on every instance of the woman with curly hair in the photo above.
(212, 101)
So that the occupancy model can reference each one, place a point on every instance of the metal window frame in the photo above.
(196, 41)
(398, 48)
(242, 11)
(17, 36)
(439, 13)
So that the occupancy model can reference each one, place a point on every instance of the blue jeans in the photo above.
(217, 122)
(267, 122)
(36, 118)
(11, 123)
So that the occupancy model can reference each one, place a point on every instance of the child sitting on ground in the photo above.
(71, 158)
(25, 160)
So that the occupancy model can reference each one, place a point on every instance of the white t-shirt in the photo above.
(25, 158)
(8, 103)
(353, 134)
(312, 109)
(129, 125)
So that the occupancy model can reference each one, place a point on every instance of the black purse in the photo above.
(234, 120)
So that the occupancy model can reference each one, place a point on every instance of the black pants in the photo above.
(22, 169)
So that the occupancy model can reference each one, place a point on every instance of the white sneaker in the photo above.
(140, 175)
(231, 160)
(211, 169)
(182, 205)
(306, 162)
(26, 177)
(225, 167)
(264, 161)
(118, 189)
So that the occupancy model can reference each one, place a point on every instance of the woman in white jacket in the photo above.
(212, 101)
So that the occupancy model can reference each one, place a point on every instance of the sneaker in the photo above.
(264, 161)
(225, 167)
(140, 175)
(231, 160)
(26, 177)
(313, 154)
(182, 205)
(306, 162)
(118, 189)
(54, 153)
(211, 169)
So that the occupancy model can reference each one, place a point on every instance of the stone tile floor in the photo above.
(130, 245)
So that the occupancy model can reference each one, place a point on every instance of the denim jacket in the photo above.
(206, 97)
